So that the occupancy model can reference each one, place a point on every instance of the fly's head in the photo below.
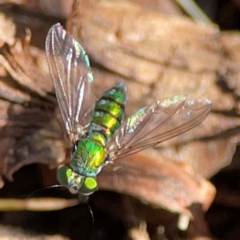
(75, 182)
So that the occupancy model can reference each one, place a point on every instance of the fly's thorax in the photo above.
(90, 153)
(109, 111)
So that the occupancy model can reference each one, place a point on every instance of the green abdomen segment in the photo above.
(109, 111)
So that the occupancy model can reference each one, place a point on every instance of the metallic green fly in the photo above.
(98, 134)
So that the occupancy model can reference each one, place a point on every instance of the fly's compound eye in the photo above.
(89, 186)
(70, 179)
(63, 175)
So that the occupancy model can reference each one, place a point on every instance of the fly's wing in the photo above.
(154, 124)
(72, 77)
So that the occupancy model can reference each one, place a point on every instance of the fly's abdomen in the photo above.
(109, 111)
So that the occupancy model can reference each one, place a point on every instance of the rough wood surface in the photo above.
(157, 56)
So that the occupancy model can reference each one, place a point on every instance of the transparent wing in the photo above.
(154, 124)
(72, 77)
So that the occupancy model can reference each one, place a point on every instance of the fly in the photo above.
(97, 129)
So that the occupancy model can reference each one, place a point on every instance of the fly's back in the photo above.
(109, 111)
(90, 153)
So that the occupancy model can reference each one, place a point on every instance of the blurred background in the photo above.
(187, 187)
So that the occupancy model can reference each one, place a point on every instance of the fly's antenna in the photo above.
(92, 217)
(47, 203)
(41, 189)
(84, 198)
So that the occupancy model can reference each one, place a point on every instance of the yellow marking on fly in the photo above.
(90, 183)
